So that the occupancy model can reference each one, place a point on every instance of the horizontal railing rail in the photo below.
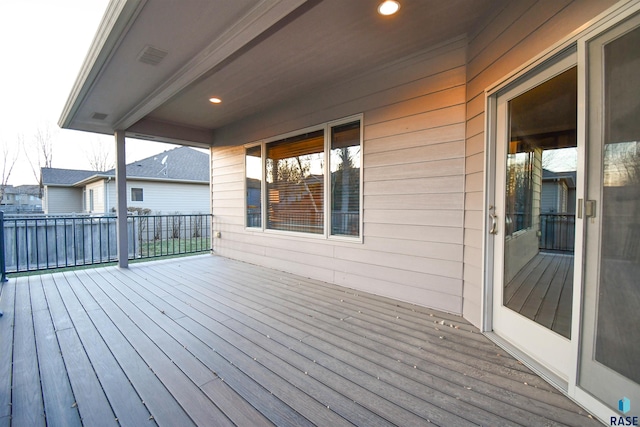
(32, 243)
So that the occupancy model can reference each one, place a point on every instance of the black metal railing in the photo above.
(32, 243)
(162, 235)
(557, 231)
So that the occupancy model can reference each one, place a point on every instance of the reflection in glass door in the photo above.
(540, 202)
(610, 358)
(531, 216)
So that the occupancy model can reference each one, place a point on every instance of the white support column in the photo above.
(121, 201)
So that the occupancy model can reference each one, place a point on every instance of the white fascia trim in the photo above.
(117, 20)
(166, 180)
(262, 17)
(91, 179)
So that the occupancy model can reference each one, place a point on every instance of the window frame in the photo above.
(262, 187)
(141, 194)
(327, 201)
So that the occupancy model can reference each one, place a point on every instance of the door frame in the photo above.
(576, 40)
(550, 66)
(556, 364)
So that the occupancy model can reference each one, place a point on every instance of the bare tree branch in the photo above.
(9, 159)
(40, 152)
(99, 157)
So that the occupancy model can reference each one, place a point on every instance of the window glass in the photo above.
(519, 197)
(136, 195)
(345, 179)
(253, 163)
(295, 183)
(618, 290)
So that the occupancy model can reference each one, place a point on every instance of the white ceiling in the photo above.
(252, 54)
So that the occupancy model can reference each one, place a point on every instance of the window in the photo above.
(136, 195)
(295, 183)
(519, 191)
(253, 182)
(90, 200)
(345, 179)
(312, 182)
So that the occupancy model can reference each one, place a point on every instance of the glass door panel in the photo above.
(610, 361)
(540, 202)
(535, 176)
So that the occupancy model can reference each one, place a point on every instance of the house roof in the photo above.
(63, 177)
(153, 64)
(568, 176)
(33, 190)
(178, 164)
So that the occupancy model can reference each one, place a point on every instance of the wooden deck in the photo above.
(209, 341)
(542, 291)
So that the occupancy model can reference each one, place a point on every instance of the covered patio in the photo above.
(206, 340)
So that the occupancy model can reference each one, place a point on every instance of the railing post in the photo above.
(3, 264)
(121, 204)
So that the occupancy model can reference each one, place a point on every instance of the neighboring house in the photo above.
(22, 199)
(173, 181)
(558, 192)
(60, 195)
(437, 117)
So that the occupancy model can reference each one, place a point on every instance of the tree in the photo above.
(9, 158)
(40, 152)
(99, 157)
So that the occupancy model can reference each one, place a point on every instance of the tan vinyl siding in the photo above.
(413, 152)
(98, 189)
(170, 197)
(62, 200)
(509, 38)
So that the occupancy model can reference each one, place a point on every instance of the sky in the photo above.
(43, 44)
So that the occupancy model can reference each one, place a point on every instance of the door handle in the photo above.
(589, 208)
(494, 221)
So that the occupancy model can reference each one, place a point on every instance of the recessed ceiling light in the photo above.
(388, 7)
(215, 100)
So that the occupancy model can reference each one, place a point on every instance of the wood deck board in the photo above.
(562, 320)
(27, 406)
(514, 284)
(203, 352)
(343, 385)
(367, 329)
(291, 308)
(56, 389)
(142, 334)
(543, 291)
(309, 292)
(394, 341)
(337, 310)
(227, 343)
(91, 400)
(528, 282)
(7, 302)
(416, 345)
(262, 330)
(537, 294)
(549, 305)
(122, 396)
(352, 400)
(151, 390)
(258, 396)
